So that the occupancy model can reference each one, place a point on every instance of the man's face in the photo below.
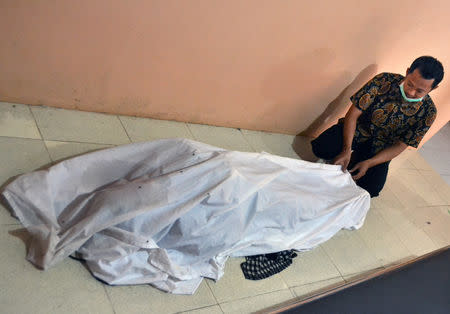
(415, 86)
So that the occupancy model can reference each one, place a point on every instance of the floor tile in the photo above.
(387, 198)
(413, 238)
(419, 162)
(444, 209)
(302, 146)
(5, 216)
(379, 237)
(312, 288)
(438, 183)
(350, 254)
(140, 129)
(215, 309)
(274, 143)
(256, 303)
(20, 155)
(412, 189)
(17, 121)
(66, 288)
(439, 141)
(437, 151)
(393, 216)
(411, 216)
(445, 130)
(233, 285)
(446, 178)
(403, 191)
(147, 299)
(308, 267)
(438, 160)
(364, 275)
(62, 150)
(434, 221)
(402, 161)
(77, 126)
(400, 164)
(228, 138)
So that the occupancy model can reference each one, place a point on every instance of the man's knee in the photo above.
(328, 144)
(374, 180)
(374, 192)
(374, 188)
(319, 151)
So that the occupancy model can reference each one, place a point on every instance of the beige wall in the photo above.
(257, 64)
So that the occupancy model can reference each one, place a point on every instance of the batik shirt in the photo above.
(386, 117)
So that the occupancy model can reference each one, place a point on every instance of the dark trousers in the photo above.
(329, 144)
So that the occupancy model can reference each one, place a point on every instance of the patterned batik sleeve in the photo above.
(415, 134)
(363, 98)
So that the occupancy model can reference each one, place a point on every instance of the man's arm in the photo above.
(351, 117)
(385, 155)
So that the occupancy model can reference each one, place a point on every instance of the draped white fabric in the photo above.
(170, 212)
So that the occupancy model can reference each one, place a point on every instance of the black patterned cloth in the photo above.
(386, 117)
(259, 267)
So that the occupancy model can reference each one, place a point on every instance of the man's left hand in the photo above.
(362, 168)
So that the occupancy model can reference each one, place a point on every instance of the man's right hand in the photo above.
(343, 159)
(351, 118)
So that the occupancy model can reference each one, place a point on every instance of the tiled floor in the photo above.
(411, 217)
(437, 152)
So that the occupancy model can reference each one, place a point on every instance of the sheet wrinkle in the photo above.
(170, 212)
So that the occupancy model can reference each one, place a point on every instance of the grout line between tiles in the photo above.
(432, 170)
(438, 246)
(109, 299)
(314, 282)
(364, 272)
(220, 307)
(126, 132)
(65, 141)
(74, 142)
(23, 138)
(397, 234)
(212, 292)
(199, 308)
(282, 279)
(255, 295)
(189, 130)
(40, 133)
(405, 244)
(337, 268)
(35, 122)
(426, 206)
(246, 140)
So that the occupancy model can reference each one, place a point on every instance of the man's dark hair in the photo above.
(429, 68)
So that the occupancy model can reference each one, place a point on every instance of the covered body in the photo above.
(170, 212)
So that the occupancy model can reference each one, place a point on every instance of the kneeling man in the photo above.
(388, 114)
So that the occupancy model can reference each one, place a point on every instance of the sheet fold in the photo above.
(170, 212)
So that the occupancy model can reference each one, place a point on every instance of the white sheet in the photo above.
(170, 212)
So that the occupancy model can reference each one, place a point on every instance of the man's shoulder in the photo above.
(430, 106)
(388, 76)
